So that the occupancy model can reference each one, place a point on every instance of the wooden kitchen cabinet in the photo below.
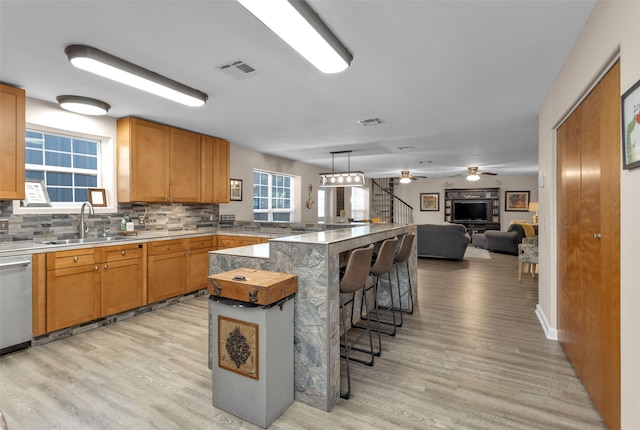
(198, 262)
(215, 170)
(12, 129)
(143, 160)
(226, 241)
(158, 163)
(73, 288)
(166, 269)
(122, 278)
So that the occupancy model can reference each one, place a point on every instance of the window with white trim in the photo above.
(272, 196)
(359, 203)
(69, 165)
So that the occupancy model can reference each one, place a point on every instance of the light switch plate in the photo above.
(4, 226)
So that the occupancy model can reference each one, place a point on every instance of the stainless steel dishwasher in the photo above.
(15, 303)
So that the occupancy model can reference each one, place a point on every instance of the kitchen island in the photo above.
(315, 258)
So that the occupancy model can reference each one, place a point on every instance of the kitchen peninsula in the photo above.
(315, 258)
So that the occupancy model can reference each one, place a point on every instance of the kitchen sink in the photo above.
(86, 240)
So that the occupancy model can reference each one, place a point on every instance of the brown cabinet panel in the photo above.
(122, 285)
(72, 258)
(12, 128)
(143, 161)
(166, 275)
(225, 242)
(184, 166)
(73, 296)
(198, 269)
(215, 170)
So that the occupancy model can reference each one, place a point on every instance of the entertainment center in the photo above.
(478, 209)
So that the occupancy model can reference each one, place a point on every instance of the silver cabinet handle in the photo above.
(124, 252)
(75, 258)
(597, 236)
(106, 266)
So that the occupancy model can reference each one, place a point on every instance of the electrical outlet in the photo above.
(4, 226)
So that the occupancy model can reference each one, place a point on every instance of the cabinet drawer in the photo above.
(244, 241)
(166, 247)
(228, 242)
(201, 242)
(72, 258)
(122, 252)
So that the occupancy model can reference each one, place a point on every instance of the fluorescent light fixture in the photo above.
(295, 22)
(473, 178)
(341, 179)
(106, 65)
(83, 105)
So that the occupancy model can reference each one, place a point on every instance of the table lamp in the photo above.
(533, 207)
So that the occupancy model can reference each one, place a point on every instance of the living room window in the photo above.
(272, 196)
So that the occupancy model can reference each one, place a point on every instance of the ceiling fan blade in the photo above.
(486, 173)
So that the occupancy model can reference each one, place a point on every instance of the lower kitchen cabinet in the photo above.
(166, 270)
(122, 278)
(198, 262)
(73, 288)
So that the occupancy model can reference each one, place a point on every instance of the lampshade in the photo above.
(106, 65)
(405, 180)
(533, 206)
(83, 105)
(473, 178)
(297, 24)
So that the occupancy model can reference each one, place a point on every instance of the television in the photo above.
(470, 211)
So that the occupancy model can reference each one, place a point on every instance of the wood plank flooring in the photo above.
(472, 356)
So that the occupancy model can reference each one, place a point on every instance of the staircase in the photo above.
(386, 206)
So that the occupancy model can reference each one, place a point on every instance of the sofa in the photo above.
(505, 242)
(442, 240)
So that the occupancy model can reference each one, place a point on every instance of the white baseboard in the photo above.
(550, 333)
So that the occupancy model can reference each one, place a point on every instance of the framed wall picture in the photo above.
(97, 197)
(35, 194)
(516, 201)
(236, 190)
(429, 201)
(631, 128)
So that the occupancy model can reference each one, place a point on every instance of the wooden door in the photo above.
(143, 161)
(184, 166)
(122, 283)
(12, 129)
(167, 275)
(589, 294)
(73, 296)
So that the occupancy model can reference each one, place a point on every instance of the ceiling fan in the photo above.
(406, 178)
(474, 175)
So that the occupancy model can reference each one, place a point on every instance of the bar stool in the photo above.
(382, 265)
(355, 278)
(402, 256)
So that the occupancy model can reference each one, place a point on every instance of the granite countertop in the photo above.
(21, 247)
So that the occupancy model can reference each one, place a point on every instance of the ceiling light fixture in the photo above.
(405, 179)
(342, 179)
(106, 65)
(473, 178)
(83, 105)
(295, 22)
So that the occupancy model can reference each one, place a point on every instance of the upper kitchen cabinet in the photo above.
(158, 163)
(12, 128)
(215, 170)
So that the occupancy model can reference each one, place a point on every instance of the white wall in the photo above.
(410, 193)
(611, 30)
(243, 161)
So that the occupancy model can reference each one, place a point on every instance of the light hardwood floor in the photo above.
(472, 356)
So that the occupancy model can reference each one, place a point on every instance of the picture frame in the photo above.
(630, 114)
(516, 201)
(35, 194)
(235, 194)
(97, 197)
(429, 202)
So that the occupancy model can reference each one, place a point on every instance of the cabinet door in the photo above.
(73, 296)
(198, 269)
(184, 166)
(12, 125)
(166, 276)
(215, 170)
(143, 161)
(122, 285)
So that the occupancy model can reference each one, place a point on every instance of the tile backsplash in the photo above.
(156, 217)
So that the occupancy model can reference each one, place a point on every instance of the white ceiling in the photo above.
(460, 82)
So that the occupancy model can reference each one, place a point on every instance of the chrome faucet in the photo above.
(84, 228)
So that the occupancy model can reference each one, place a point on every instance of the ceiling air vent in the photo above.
(237, 69)
(370, 121)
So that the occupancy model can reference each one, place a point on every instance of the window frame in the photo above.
(291, 210)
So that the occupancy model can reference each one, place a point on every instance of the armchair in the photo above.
(505, 241)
